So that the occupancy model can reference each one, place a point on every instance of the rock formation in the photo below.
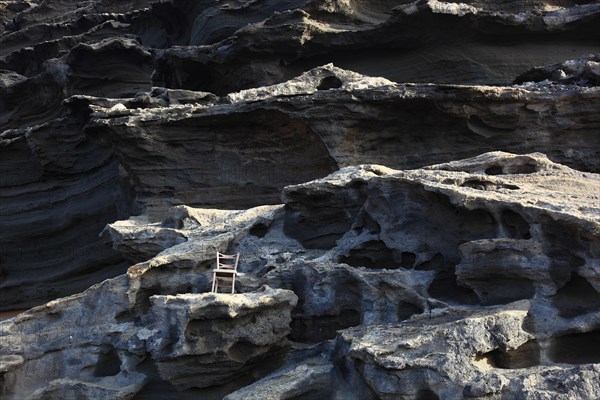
(171, 147)
(437, 163)
(118, 118)
(473, 278)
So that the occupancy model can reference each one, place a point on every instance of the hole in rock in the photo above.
(366, 223)
(259, 230)
(108, 363)
(319, 231)
(408, 259)
(444, 287)
(481, 184)
(473, 224)
(407, 310)
(563, 262)
(501, 289)
(205, 329)
(243, 351)
(319, 328)
(156, 387)
(526, 168)
(373, 254)
(478, 184)
(434, 264)
(124, 316)
(516, 226)
(142, 299)
(494, 170)
(576, 348)
(577, 297)
(330, 82)
(563, 236)
(525, 356)
(426, 394)
(522, 169)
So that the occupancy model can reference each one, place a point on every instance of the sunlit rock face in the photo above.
(106, 159)
(109, 109)
(413, 187)
(472, 278)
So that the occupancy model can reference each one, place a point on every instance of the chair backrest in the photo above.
(225, 261)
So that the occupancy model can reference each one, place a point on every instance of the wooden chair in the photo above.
(226, 271)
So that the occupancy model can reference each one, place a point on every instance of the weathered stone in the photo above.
(208, 345)
(583, 71)
(391, 303)
(312, 378)
(476, 278)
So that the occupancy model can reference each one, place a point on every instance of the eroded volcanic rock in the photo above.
(241, 149)
(109, 109)
(106, 159)
(583, 71)
(139, 137)
(475, 278)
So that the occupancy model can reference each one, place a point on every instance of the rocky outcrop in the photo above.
(205, 159)
(170, 147)
(137, 106)
(473, 278)
(209, 347)
(583, 71)
(226, 46)
(86, 346)
(414, 41)
(139, 137)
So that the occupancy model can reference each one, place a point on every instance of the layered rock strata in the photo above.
(169, 147)
(475, 278)
(466, 279)
(70, 163)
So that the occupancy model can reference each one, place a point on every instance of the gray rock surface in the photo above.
(111, 108)
(470, 279)
(583, 71)
(452, 250)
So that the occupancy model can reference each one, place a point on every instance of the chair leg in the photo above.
(233, 285)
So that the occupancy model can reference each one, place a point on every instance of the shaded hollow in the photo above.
(330, 82)
(318, 220)
(522, 169)
(407, 310)
(426, 394)
(525, 356)
(494, 170)
(444, 287)
(259, 230)
(109, 363)
(375, 254)
(515, 225)
(319, 328)
(435, 263)
(496, 289)
(576, 348)
(577, 297)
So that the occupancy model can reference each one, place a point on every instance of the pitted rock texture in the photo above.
(469, 279)
(584, 71)
(139, 137)
(109, 109)
(171, 147)
(409, 41)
